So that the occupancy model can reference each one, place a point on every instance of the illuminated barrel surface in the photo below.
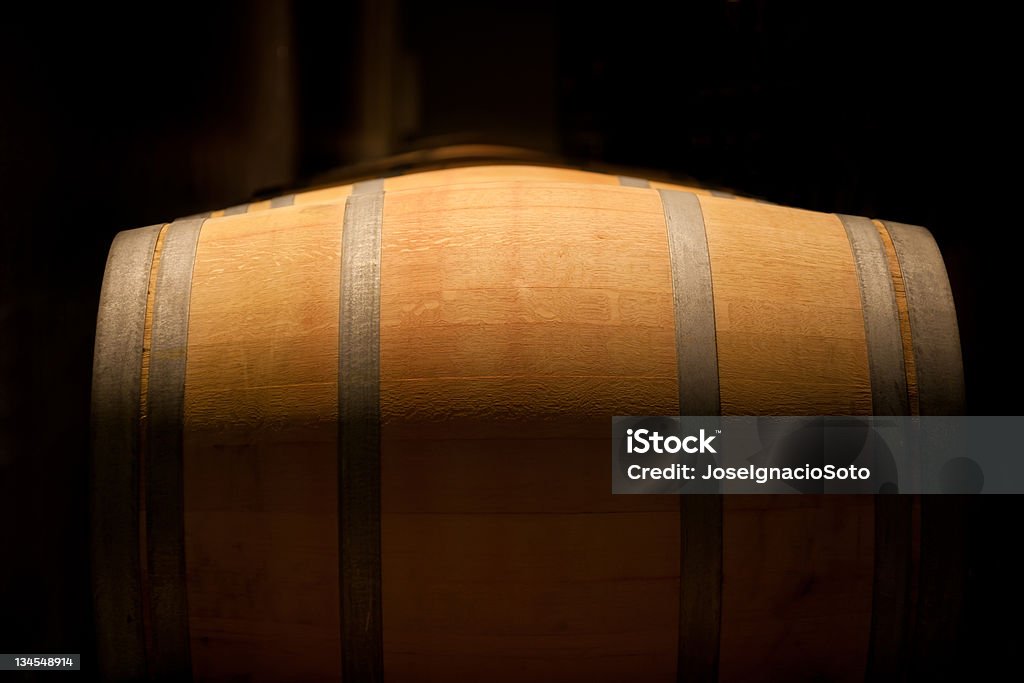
(369, 437)
(459, 175)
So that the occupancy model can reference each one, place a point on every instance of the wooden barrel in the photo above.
(368, 439)
(482, 173)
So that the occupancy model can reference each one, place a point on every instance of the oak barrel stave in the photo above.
(514, 319)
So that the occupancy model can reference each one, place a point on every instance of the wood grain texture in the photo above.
(519, 317)
(478, 174)
(260, 448)
(323, 194)
(791, 341)
(790, 328)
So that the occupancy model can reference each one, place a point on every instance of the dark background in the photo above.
(113, 119)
